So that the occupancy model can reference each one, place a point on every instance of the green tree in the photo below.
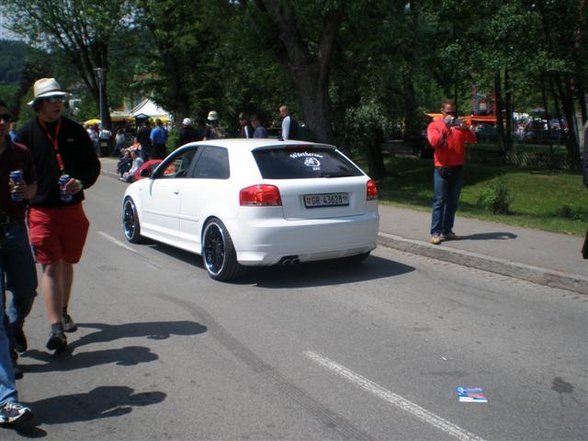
(302, 37)
(565, 63)
(83, 31)
(187, 58)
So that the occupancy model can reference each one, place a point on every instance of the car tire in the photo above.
(218, 252)
(130, 220)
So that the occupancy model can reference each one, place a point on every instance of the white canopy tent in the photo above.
(147, 108)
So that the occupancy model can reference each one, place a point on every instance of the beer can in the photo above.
(16, 178)
(65, 196)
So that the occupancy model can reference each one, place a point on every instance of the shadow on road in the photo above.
(70, 361)
(322, 273)
(151, 330)
(101, 402)
(498, 235)
(325, 273)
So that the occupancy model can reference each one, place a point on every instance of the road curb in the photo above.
(542, 276)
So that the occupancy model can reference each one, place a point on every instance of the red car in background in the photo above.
(146, 169)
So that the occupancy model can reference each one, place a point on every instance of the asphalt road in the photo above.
(322, 352)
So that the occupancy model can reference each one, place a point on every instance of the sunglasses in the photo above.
(53, 99)
(453, 112)
(6, 117)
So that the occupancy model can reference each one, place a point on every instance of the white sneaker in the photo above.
(13, 412)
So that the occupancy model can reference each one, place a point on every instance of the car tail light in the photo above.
(372, 190)
(260, 196)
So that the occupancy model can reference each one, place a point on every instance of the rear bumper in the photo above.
(266, 242)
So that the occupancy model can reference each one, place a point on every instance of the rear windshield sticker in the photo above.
(312, 162)
(310, 159)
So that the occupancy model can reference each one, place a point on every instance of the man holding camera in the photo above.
(448, 136)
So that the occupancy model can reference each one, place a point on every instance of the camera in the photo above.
(455, 121)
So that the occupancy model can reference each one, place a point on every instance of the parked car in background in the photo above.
(486, 133)
(538, 132)
(146, 169)
(254, 202)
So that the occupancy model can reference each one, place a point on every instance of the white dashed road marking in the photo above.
(394, 399)
(116, 241)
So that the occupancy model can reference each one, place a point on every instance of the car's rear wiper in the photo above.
(333, 175)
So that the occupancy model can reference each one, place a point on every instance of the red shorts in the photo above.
(58, 233)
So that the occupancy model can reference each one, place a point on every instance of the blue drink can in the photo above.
(65, 196)
(15, 178)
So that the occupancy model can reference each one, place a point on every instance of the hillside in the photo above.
(12, 59)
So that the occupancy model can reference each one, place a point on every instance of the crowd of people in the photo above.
(149, 144)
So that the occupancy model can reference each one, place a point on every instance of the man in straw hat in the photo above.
(66, 164)
(213, 130)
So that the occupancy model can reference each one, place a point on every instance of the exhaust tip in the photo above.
(289, 260)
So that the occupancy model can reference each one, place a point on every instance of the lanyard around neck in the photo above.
(54, 142)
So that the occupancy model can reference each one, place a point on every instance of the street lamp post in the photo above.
(100, 76)
(104, 143)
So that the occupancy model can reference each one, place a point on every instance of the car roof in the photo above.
(252, 144)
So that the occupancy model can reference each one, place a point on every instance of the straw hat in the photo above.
(46, 87)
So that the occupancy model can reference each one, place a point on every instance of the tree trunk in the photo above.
(105, 120)
(567, 99)
(581, 94)
(315, 102)
(309, 72)
(177, 98)
(412, 122)
(376, 167)
(508, 111)
(499, 106)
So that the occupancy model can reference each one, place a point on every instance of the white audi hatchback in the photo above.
(250, 202)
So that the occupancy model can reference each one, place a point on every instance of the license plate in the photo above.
(326, 200)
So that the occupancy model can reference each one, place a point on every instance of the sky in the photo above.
(5, 34)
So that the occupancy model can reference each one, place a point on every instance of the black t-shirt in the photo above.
(15, 157)
(143, 136)
(188, 134)
(77, 153)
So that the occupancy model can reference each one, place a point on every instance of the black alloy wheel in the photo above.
(218, 252)
(131, 226)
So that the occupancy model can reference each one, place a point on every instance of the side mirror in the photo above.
(145, 173)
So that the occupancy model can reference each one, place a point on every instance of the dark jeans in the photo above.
(146, 152)
(159, 151)
(445, 199)
(17, 263)
(7, 382)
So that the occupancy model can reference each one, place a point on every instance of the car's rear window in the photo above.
(303, 162)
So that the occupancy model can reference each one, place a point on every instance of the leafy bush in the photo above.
(496, 199)
(366, 122)
(569, 212)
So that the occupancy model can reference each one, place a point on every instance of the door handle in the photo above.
(176, 191)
